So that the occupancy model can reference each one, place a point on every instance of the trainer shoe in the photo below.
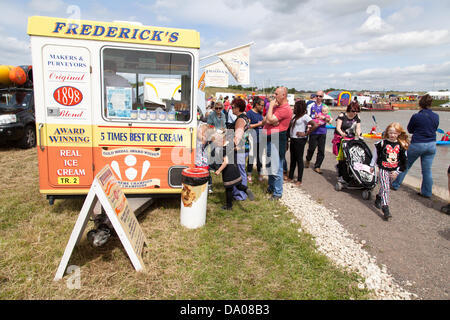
(386, 212)
(378, 202)
(227, 208)
(446, 209)
(274, 198)
(250, 194)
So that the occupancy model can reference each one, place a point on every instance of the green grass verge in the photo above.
(251, 252)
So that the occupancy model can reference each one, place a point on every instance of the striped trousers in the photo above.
(385, 187)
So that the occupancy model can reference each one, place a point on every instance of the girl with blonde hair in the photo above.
(390, 156)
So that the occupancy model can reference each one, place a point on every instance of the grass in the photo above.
(251, 252)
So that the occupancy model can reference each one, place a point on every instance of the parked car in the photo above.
(17, 117)
(445, 105)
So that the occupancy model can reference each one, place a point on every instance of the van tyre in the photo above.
(29, 138)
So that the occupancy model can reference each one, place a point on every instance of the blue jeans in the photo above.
(276, 148)
(426, 151)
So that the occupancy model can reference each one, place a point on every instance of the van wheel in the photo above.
(29, 138)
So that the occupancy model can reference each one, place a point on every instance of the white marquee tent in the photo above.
(439, 95)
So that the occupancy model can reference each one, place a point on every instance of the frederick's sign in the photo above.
(104, 31)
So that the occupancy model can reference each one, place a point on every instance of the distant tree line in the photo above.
(295, 91)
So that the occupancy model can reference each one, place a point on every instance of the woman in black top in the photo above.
(348, 126)
(231, 176)
(241, 143)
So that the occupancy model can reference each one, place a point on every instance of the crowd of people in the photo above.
(241, 133)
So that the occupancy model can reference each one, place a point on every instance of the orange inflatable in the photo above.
(20, 75)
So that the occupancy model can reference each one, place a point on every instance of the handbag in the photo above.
(336, 142)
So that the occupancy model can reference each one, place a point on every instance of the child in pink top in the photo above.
(322, 117)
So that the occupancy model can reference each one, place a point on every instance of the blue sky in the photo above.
(306, 44)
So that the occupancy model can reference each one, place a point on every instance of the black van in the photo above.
(17, 118)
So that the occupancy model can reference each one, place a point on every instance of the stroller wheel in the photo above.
(366, 194)
(338, 186)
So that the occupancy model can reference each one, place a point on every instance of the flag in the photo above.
(216, 75)
(237, 62)
(201, 82)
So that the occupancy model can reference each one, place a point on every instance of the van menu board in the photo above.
(106, 190)
(120, 208)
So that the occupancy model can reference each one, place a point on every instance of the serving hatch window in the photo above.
(146, 86)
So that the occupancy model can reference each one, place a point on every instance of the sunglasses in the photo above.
(218, 108)
(319, 96)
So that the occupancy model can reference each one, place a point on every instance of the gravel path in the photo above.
(340, 246)
(407, 257)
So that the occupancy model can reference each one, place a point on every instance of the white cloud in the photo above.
(279, 6)
(405, 14)
(162, 18)
(348, 7)
(46, 5)
(391, 43)
(405, 73)
(220, 44)
(164, 4)
(14, 51)
(404, 41)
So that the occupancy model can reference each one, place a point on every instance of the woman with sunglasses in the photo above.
(348, 126)
(217, 118)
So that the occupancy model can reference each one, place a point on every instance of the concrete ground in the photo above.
(414, 244)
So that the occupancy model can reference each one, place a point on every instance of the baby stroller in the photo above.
(357, 158)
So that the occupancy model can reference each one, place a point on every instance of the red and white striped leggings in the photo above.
(385, 187)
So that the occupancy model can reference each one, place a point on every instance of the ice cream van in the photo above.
(91, 106)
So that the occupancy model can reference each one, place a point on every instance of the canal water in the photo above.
(383, 118)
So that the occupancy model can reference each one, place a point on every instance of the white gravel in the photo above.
(340, 246)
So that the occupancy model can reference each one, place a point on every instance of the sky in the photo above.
(303, 44)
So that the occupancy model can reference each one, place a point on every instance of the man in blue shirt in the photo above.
(318, 137)
(312, 100)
